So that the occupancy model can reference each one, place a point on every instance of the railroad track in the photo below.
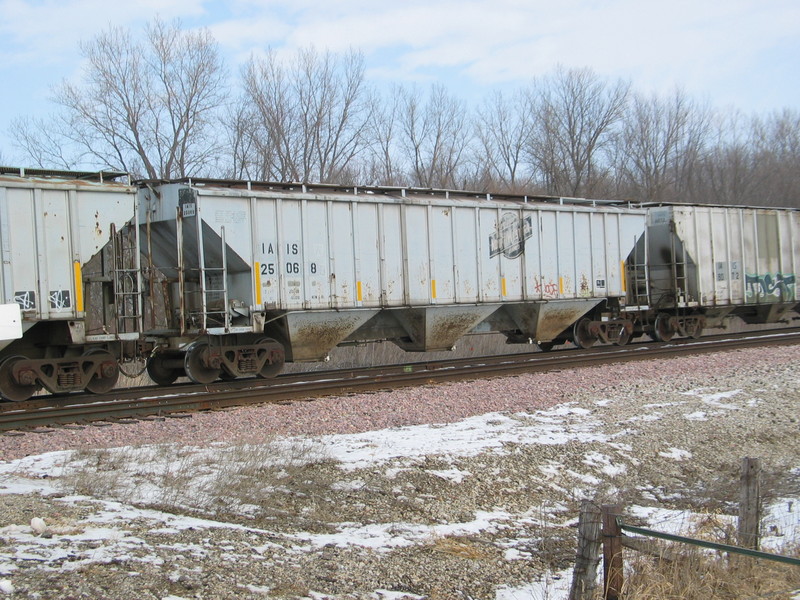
(158, 402)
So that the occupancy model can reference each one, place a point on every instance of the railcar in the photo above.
(261, 273)
(697, 265)
(214, 279)
(51, 225)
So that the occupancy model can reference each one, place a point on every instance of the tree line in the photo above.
(165, 106)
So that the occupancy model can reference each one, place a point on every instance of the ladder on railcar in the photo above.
(210, 306)
(213, 288)
(127, 280)
(680, 275)
(637, 273)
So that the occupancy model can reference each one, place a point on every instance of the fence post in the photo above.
(612, 552)
(749, 503)
(584, 577)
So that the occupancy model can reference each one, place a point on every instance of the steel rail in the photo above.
(148, 402)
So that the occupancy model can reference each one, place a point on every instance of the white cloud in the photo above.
(741, 52)
(37, 33)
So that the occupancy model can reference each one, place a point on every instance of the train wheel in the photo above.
(11, 389)
(662, 329)
(225, 376)
(581, 335)
(107, 373)
(270, 370)
(697, 331)
(196, 369)
(624, 338)
(159, 372)
(546, 346)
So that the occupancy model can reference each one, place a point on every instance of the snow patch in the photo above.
(676, 454)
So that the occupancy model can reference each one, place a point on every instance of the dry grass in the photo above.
(693, 573)
(699, 575)
(461, 547)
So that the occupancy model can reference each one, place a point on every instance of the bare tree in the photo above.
(34, 138)
(148, 107)
(661, 144)
(502, 133)
(383, 165)
(776, 147)
(726, 173)
(310, 117)
(573, 114)
(433, 137)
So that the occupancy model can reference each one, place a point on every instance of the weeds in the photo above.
(461, 547)
(695, 574)
(264, 481)
(692, 573)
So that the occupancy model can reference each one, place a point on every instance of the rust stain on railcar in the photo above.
(553, 322)
(316, 339)
(446, 331)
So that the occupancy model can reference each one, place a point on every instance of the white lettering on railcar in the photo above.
(230, 217)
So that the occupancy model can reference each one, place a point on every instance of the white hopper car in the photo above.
(312, 267)
(697, 265)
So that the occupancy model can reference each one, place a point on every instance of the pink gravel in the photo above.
(441, 403)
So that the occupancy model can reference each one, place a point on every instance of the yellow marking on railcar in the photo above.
(76, 267)
(560, 285)
(433, 288)
(359, 294)
(258, 283)
(622, 272)
(503, 289)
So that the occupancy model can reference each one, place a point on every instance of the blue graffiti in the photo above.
(779, 285)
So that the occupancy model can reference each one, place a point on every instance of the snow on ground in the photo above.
(395, 450)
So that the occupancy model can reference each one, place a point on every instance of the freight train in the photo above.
(213, 279)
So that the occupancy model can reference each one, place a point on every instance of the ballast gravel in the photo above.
(444, 403)
(667, 434)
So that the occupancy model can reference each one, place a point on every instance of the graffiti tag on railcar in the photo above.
(59, 299)
(26, 300)
(779, 285)
(510, 235)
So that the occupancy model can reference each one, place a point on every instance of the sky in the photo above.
(739, 53)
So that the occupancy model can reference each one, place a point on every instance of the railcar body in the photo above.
(51, 225)
(312, 267)
(697, 265)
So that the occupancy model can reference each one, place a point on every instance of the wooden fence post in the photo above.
(612, 552)
(749, 504)
(584, 577)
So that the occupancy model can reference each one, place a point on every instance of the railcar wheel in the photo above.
(196, 369)
(11, 389)
(697, 331)
(270, 370)
(159, 372)
(624, 338)
(662, 329)
(546, 346)
(225, 376)
(107, 373)
(581, 335)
